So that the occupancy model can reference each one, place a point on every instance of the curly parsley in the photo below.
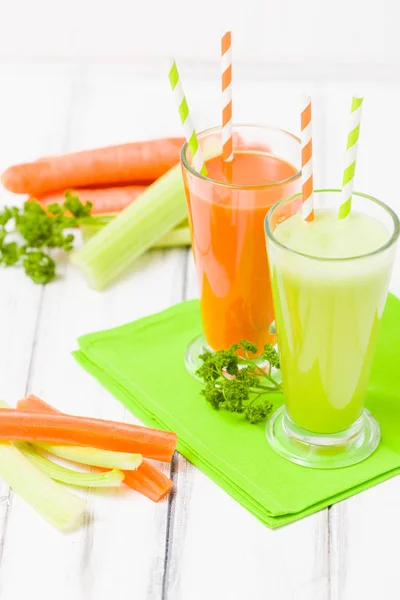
(27, 235)
(237, 384)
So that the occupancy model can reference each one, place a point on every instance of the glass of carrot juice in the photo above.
(226, 209)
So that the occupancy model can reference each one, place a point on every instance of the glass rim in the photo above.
(239, 186)
(388, 244)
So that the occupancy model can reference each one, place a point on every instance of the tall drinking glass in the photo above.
(226, 214)
(328, 310)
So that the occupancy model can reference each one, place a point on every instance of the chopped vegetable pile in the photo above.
(26, 465)
(132, 199)
(16, 425)
(146, 479)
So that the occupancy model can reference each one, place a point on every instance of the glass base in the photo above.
(192, 360)
(323, 451)
(199, 345)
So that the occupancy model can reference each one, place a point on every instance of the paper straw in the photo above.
(226, 64)
(351, 157)
(186, 120)
(306, 159)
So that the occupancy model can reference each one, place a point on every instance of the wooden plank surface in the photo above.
(200, 543)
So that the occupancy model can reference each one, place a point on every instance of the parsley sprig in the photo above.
(237, 384)
(28, 234)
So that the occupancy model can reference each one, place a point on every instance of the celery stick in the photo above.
(174, 239)
(111, 251)
(180, 236)
(94, 456)
(63, 475)
(90, 229)
(49, 499)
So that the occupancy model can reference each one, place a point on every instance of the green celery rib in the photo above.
(63, 475)
(158, 210)
(174, 239)
(89, 230)
(49, 499)
(52, 501)
(94, 456)
(180, 236)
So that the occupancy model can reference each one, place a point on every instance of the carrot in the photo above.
(33, 426)
(138, 162)
(147, 479)
(105, 200)
(32, 402)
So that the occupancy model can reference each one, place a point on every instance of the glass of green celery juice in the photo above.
(329, 283)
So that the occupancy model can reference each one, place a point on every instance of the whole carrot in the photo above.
(33, 426)
(146, 479)
(105, 200)
(138, 162)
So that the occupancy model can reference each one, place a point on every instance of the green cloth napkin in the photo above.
(141, 363)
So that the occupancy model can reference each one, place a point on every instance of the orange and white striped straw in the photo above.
(226, 131)
(307, 185)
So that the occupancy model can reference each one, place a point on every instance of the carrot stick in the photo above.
(138, 161)
(33, 426)
(105, 200)
(32, 402)
(147, 479)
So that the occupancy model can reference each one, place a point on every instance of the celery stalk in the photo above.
(94, 456)
(63, 475)
(54, 503)
(174, 239)
(90, 229)
(184, 223)
(49, 499)
(178, 237)
(158, 210)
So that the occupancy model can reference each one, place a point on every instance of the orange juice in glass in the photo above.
(227, 209)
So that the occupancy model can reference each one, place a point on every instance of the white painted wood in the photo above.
(37, 126)
(122, 550)
(363, 544)
(201, 544)
(359, 30)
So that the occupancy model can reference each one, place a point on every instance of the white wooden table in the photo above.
(200, 543)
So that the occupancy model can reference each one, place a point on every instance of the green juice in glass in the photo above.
(327, 313)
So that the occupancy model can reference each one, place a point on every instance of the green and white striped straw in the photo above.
(186, 120)
(351, 157)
